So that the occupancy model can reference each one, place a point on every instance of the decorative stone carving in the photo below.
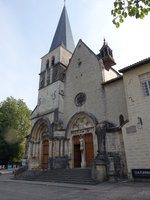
(100, 132)
(101, 137)
(53, 95)
(81, 122)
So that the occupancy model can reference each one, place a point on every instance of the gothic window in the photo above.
(121, 120)
(47, 64)
(48, 72)
(110, 52)
(53, 61)
(102, 53)
(42, 80)
(145, 83)
(48, 76)
(106, 52)
(80, 99)
(79, 62)
(55, 73)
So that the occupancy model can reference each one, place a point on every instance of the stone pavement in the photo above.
(28, 190)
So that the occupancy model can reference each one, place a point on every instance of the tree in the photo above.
(14, 127)
(133, 8)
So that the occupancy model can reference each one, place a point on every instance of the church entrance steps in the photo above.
(75, 176)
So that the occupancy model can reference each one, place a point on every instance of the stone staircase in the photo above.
(74, 176)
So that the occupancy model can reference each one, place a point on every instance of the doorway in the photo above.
(89, 149)
(77, 152)
(45, 154)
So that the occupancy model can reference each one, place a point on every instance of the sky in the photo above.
(27, 28)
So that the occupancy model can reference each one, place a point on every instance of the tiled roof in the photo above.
(63, 35)
(135, 65)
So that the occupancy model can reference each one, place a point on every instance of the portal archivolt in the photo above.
(81, 129)
(39, 143)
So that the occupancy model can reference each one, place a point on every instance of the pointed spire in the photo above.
(104, 41)
(63, 34)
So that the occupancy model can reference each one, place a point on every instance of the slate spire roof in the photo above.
(63, 35)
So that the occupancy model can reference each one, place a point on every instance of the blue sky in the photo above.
(27, 28)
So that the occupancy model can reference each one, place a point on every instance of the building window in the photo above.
(53, 61)
(121, 120)
(145, 83)
(47, 64)
(80, 99)
(79, 62)
(48, 72)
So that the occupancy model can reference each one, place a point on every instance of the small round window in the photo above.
(80, 99)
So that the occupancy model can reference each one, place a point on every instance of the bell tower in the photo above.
(107, 56)
(52, 74)
(47, 139)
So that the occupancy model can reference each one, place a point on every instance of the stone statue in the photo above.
(82, 149)
(82, 145)
(101, 132)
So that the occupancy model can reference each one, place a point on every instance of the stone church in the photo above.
(87, 113)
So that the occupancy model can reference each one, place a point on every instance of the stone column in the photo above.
(62, 154)
(40, 150)
(29, 150)
(33, 149)
(36, 149)
(63, 147)
(59, 147)
(67, 150)
(50, 147)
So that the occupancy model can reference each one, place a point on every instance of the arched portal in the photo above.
(88, 149)
(81, 132)
(39, 150)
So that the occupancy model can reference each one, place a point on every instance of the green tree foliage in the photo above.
(133, 8)
(14, 127)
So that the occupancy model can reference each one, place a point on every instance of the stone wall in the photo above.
(136, 138)
(108, 75)
(115, 102)
(84, 75)
(116, 154)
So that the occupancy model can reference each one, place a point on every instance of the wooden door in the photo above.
(77, 152)
(45, 154)
(89, 149)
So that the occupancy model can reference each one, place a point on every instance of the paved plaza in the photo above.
(27, 190)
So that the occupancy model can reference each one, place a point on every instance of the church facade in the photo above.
(87, 114)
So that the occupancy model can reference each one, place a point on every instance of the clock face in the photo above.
(80, 99)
